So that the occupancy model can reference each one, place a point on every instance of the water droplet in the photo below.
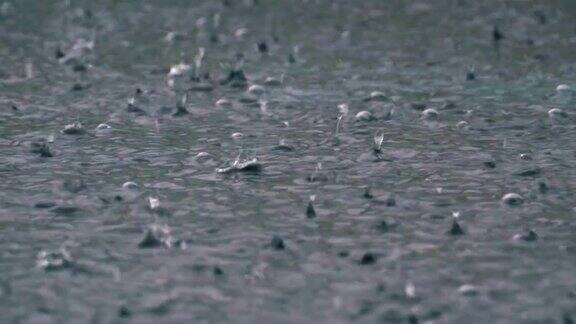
(130, 185)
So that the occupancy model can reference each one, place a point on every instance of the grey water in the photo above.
(244, 185)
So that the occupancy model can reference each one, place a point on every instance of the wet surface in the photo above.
(184, 161)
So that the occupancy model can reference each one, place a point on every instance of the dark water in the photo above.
(240, 246)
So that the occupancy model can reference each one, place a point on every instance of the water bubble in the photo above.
(103, 126)
(556, 113)
(202, 157)
(525, 157)
(283, 146)
(377, 96)
(563, 87)
(256, 90)
(73, 129)
(364, 116)
(223, 103)
(512, 199)
(430, 114)
(468, 290)
(237, 135)
(528, 235)
(129, 185)
(272, 82)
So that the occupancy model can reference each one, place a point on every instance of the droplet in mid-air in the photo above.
(462, 125)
